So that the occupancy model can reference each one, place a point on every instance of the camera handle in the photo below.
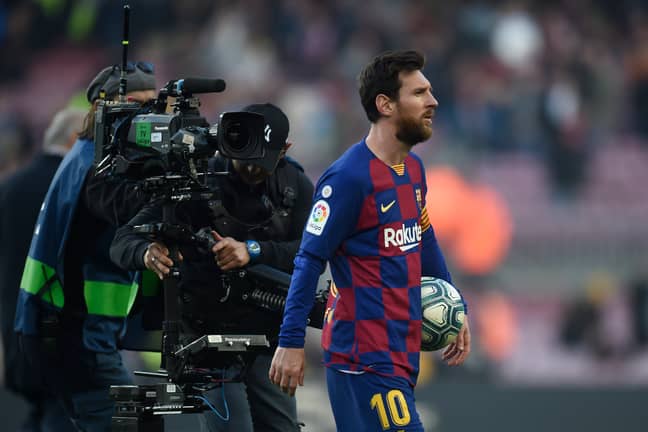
(172, 324)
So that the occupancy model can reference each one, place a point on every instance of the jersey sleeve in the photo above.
(432, 259)
(301, 296)
(334, 214)
(332, 219)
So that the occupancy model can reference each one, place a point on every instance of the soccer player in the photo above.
(369, 221)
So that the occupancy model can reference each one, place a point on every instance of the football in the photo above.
(443, 313)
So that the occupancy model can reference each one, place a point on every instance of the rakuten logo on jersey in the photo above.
(405, 237)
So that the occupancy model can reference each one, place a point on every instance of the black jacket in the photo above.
(21, 196)
(273, 213)
(105, 203)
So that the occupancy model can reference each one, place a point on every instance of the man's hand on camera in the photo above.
(229, 254)
(156, 259)
(287, 369)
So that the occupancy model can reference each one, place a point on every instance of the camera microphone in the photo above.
(188, 86)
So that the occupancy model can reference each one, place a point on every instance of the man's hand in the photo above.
(229, 253)
(287, 369)
(457, 352)
(156, 259)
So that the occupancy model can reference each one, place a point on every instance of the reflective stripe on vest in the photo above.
(102, 298)
(34, 278)
(109, 298)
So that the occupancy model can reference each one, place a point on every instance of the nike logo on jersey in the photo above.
(405, 238)
(384, 208)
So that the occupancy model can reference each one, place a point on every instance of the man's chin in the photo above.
(426, 133)
(415, 133)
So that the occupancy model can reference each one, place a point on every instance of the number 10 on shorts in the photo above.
(397, 406)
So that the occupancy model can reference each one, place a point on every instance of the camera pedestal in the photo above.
(141, 408)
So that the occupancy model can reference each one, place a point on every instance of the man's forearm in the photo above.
(301, 297)
(128, 248)
(279, 254)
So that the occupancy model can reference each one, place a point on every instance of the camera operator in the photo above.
(265, 203)
(73, 300)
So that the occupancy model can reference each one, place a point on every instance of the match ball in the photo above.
(443, 313)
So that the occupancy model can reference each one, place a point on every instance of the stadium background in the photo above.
(537, 168)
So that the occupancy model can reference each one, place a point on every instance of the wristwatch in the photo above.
(254, 249)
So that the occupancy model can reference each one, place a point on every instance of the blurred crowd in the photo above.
(554, 79)
(562, 84)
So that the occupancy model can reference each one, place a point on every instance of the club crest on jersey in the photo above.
(405, 237)
(318, 218)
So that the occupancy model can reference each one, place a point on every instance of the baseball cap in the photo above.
(275, 132)
(139, 75)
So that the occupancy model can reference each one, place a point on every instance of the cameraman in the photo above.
(265, 204)
(73, 300)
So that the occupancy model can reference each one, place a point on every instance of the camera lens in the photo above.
(237, 136)
(240, 135)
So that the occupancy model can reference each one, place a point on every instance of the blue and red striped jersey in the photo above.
(369, 222)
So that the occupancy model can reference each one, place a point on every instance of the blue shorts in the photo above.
(369, 402)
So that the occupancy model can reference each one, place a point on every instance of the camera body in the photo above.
(143, 141)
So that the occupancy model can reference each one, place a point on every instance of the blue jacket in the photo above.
(108, 291)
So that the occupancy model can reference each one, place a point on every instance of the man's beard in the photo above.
(411, 132)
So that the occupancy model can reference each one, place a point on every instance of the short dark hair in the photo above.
(381, 76)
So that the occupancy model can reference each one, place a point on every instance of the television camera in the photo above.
(164, 146)
(145, 142)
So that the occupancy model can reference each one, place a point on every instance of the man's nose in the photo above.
(433, 101)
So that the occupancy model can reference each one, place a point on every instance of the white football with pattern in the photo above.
(443, 313)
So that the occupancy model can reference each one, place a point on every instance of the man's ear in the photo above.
(384, 105)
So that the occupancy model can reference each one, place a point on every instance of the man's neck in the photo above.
(383, 143)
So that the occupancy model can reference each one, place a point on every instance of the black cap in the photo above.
(140, 76)
(275, 132)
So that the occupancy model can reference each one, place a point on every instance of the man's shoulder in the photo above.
(80, 157)
(350, 167)
(291, 171)
(37, 171)
(290, 164)
(415, 157)
(357, 152)
(10, 182)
